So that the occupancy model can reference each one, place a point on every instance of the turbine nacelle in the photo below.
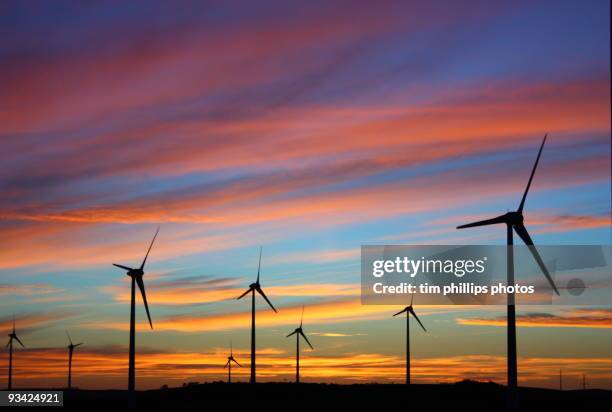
(300, 332)
(409, 310)
(137, 274)
(514, 218)
(256, 287)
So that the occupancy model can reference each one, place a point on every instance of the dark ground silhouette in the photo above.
(468, 396)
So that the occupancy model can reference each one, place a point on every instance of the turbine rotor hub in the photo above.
(514, 218)
(135, 273)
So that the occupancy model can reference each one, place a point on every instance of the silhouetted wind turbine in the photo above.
(514, 220)
(136, 275)
(228, 365)
(255, 287)
(409, 310)
(71, 347)
(12, 337)
(297, 332)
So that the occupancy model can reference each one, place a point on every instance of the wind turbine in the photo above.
(409, 310)
(136, 275)
(70, 352)
(255, 287)
(228, 365)
(514, 220)
(12, 337)
(297, 332)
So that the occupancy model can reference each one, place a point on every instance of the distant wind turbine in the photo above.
(228, 365)
(514, 220)
(136, 275)
(297, 332)
(71, 347)
(255, 287)
(12, 337)
(409, 310)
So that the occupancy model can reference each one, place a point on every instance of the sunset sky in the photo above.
(309, 128)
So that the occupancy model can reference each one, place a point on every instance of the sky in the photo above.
(307, 128)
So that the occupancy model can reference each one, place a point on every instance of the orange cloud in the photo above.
(24, 323)
(319, 313)
(193, 294)
(577, 318)
(106, 367)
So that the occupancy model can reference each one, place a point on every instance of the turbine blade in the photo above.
(144, 298)
(302, 318)
(78, 344)
(244, 294)
(401, 311)
(17, 339)
(417, 319)
(411, 300)
(306, 339)
(70, 340)
(520, 209)
(8, 343)
(236, 362)
(150, 246)
(523, 234)
(259, 265)
(122, 267)
(227, 364)
(261, 292)
(486, 222)
(292, 333)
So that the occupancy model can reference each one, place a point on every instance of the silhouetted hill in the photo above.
(468, 396)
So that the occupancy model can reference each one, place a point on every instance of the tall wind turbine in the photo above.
(255, 287)
(12, 337)
(514, 220)
(136, 275)
(71, 347)
(409, 310)
(297, 332)
(228, 365)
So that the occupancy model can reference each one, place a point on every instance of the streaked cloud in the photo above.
(190, 293)
(105, 367)
(575, 318)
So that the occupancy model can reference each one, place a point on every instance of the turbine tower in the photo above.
(12, 337)
(71, 347)
(255, 287)
(514, 220)
(299, 332)
(136, 275)
(409, 310)
(228, 365)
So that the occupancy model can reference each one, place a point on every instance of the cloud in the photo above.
(336, 334)
(575, 318)
(32, 321)
(336, 311)
(24, 289)
(106, 367)
(193, 292)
